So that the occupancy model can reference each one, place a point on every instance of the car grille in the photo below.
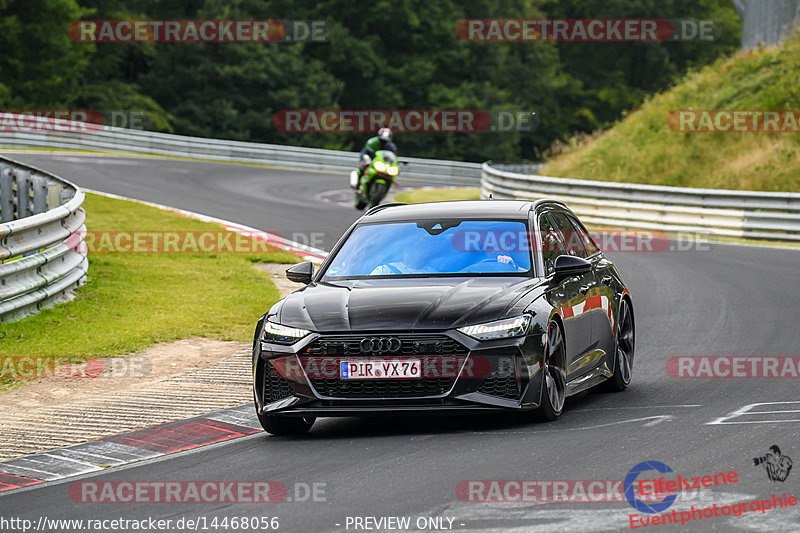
(503, 386)
(410, 345)
(275, 387)
(441, 359)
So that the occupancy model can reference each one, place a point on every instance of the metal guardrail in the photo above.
(111, 139)
(42, 257)
(766, 22)
(712, 212)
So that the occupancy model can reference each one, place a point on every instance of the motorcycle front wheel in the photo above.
(377, 192)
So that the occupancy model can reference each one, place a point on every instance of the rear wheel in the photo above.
(623, 364)
(554, 386)
(285, 425)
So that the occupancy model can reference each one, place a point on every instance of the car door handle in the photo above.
(606, 280)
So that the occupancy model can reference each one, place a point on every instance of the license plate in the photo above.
(380, 369)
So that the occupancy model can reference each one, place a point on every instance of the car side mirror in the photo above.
(570, 265)
(301, 272)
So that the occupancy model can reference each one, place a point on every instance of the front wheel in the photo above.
(623, 364)
(377, 192)
(285, 425)
(554, 382)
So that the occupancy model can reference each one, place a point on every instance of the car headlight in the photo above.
(280, 334)
(500, 329)
(392, 171)
(379, 166)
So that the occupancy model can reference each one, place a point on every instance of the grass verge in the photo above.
(134, 300)
(418, 196)
(643, 149)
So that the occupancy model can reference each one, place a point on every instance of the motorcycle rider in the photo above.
(382, 141)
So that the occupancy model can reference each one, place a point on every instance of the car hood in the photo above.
(404, 304)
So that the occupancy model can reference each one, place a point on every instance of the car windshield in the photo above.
(431, 248)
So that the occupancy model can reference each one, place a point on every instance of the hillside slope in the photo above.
(643, 148)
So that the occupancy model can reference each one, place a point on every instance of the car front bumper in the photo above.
(460, 375)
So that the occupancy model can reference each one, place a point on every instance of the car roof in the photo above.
(502, 209)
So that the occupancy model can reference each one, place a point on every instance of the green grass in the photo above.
(134, 300)
(643, 149)
(418, 196)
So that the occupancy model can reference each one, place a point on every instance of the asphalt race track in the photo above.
(714, 300)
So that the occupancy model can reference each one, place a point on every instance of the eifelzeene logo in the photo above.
(630, 485)
(777, 465)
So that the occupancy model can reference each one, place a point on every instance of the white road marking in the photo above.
(650, 421)
(653, 420)
(346, 197)
(747, 410)
(635, 407)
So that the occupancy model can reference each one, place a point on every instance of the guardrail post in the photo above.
(6, 193)
(54, 191)
(23, 193)
(39, 186)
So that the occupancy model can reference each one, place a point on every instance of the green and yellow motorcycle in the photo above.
(376, 180)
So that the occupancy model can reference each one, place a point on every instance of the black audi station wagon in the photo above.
(474, 306)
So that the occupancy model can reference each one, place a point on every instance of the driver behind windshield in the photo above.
(415, 260)
(418, 255)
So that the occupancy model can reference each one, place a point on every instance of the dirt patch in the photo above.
(158, 363)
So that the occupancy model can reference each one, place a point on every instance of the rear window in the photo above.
(433, 248)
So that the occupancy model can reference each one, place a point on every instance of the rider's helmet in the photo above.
(385, 135)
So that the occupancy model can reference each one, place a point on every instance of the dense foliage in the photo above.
(400, 54)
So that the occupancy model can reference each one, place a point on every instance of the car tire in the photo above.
(624, 350)
(554, 375)
(285, 425)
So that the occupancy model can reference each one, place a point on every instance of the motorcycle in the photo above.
(376, 180)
